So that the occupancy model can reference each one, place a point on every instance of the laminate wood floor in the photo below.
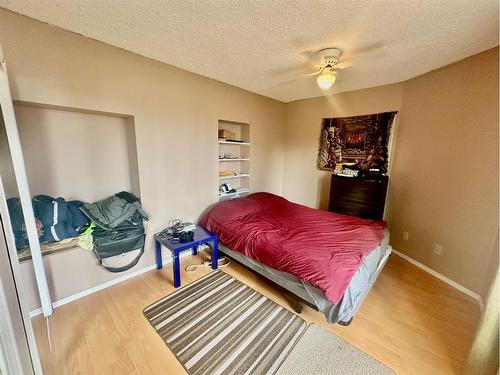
(411, 321)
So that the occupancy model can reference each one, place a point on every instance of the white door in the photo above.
(16, 356)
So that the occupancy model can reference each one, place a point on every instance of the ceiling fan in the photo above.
(325, 63)
(329, 59)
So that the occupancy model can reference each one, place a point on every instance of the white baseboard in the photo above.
(102, 286)
(441, 277)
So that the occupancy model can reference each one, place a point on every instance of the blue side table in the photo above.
(201, 236)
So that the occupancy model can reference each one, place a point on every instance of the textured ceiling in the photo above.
(261, 45)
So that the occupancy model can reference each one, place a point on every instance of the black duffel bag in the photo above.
(117, 241)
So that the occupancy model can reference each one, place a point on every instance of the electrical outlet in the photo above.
(406, 235)
(438, 249)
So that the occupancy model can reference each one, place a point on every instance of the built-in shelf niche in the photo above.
(234, 155)
(75, 154)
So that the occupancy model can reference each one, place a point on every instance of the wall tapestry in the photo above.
(360, 139)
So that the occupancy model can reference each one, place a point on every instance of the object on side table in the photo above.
(200, 236)
(360, 197)
(176, 230)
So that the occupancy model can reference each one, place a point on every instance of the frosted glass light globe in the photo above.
(326, 80)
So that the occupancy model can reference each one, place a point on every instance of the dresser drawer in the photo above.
(358, 197)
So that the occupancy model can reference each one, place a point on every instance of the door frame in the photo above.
(10, 124)
(8, 338)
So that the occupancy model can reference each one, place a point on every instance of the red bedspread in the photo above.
(322, 248)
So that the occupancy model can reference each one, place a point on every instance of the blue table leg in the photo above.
(177, 270)
(215, 255)
(195, 250)
(159, 263)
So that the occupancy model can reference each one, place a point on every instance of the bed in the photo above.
(326, 260)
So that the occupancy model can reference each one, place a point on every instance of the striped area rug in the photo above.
(218, 325)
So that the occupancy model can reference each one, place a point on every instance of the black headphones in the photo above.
(175, 233)
(185, 237)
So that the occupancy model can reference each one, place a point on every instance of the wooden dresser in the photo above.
(361, 197)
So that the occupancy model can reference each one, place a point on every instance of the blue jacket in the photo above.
(60, 218)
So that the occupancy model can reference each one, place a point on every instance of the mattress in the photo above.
(325, 249)
(354, 295)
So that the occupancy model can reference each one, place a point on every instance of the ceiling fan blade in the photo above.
(356, 52)
(310, 74)
(295, 75)
(297, 78)
(343, 65)
(311, 59)
(290, 73)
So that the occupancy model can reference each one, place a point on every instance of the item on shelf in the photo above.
(226, 173)
(56, 219)
(373, 173)
(345, 174)
(228, 155)
(225, 134)
(226, 189)
(60, 218)
(119, 230)
(85, 239)
(347, 170)
(233, 148)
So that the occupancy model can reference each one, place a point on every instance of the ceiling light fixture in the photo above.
(326, 79)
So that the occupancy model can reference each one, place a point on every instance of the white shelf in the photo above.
(235, 194)
(234, 143)
(230, 177)
(241, 161)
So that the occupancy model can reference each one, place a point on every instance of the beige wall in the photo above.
(75, 155)
(302, 181)
(445, 171)
(176, 116)
(444, 165)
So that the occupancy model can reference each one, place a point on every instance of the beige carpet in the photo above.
(320, 352)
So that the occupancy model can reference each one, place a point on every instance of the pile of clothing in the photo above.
(111, 227)
(118, 229)
(56, 219)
